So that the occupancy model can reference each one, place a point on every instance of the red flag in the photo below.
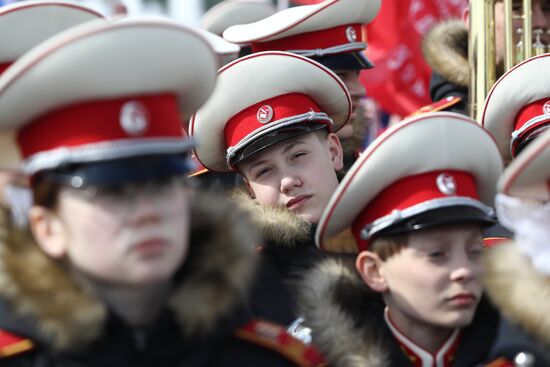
(400, 80)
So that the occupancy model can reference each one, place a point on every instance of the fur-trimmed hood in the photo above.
(214, 279)
(445, 48)
(277, 224)
(520, 292)
(334, 301)
(348, 326)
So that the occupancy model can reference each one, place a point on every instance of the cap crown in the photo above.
(120, 90)
(418, 165)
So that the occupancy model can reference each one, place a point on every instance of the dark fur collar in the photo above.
(445, 48)
(277, 224)
(215, 278)
(334, 302)
(519, 291)
(348, 327)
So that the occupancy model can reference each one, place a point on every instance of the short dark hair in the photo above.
(45, 192)
(387, 246)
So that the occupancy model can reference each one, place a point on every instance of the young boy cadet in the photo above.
(411, 212)
(517, 276)
(272, 117)
(330, 33)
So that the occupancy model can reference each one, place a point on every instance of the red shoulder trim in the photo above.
(274, 337)
(199, 168)
(199, 172)
(11, 344)
(494, 241)
(437, 106)
(500, 362)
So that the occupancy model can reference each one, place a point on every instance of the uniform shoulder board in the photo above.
(440, 105)
(501, 362)
(276, 338)
(11, 344)
(198, 168)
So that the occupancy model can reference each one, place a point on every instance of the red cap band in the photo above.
(337, 36)
(104, 121)
(539, 109)
(413, 190)
(265, 112)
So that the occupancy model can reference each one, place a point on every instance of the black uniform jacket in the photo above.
(348, 326)
(523, 296)
(287, 251)
(203, 322)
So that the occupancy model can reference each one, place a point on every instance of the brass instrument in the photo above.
(482, 52)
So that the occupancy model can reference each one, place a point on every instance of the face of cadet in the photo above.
(299, 173)
(540, 19)
(134, 234)
(357, 92)
(434, 280)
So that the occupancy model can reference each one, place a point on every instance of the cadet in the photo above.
(272, 117)
(517, 109)
(331, 33)
(126, 267)
(518, 273)
(409, 214)
(47, 19)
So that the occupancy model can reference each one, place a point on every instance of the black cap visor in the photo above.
(345, 61)
(528, 137)
(442, 216)
(273, 138)
(120, 171)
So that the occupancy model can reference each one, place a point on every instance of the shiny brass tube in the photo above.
(527, 29)
(482, 46)
(481, 49)
(510, 47)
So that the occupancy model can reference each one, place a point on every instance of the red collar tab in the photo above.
(267, 112)
(316, 40)
(419, 357)
(529, 118)
(105, 121)
(413, 190)
(444, 359)
(4, 66)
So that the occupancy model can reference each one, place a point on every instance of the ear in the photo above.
(368, 264)
(465, 16)
(336, 152)
(49, 231)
